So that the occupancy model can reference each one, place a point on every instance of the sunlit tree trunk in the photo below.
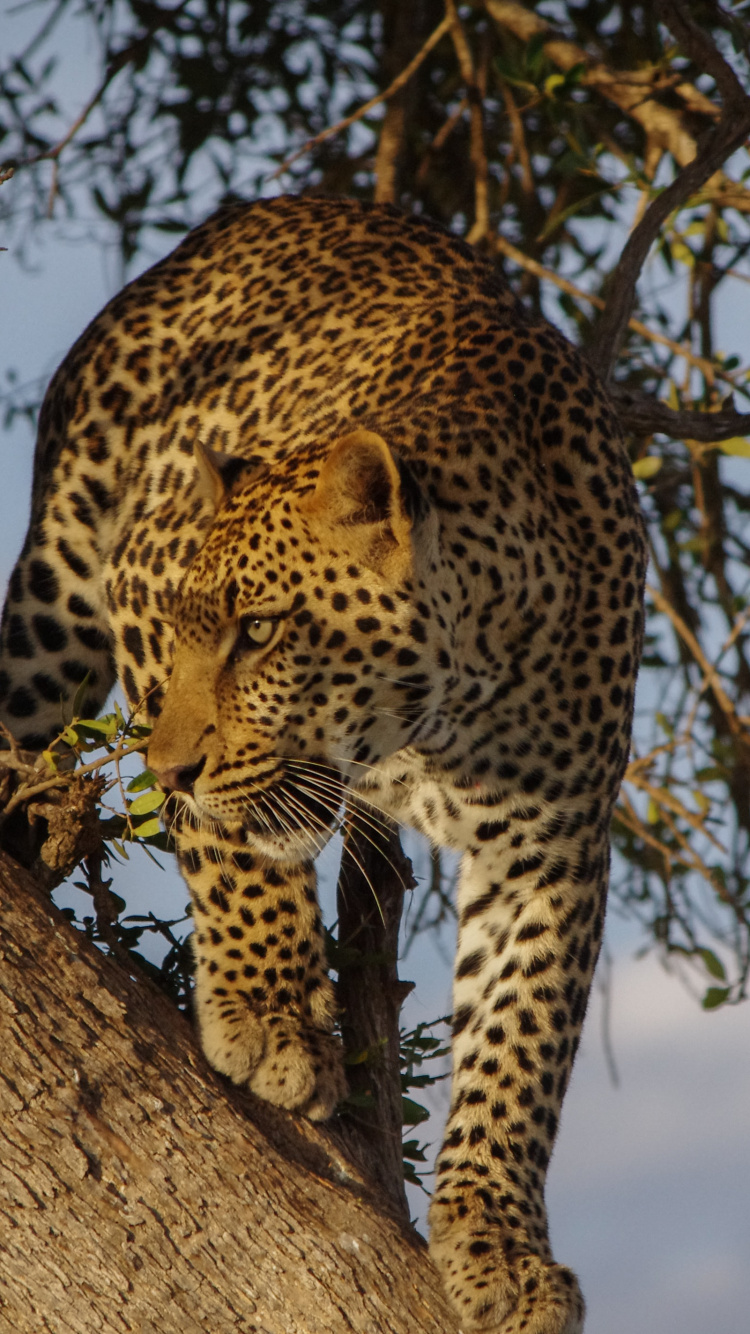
(140, 1191)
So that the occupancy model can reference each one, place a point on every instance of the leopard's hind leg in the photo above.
(530, 930)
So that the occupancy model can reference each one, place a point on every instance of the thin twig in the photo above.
(105, 909)
(24, 793)
(688, 638)
(669, 802)
(736, 630)
(446, 129)
(118, 63)
(605, 987)
(518, 138)
(713, 149)
(628, 815)
(394, 87)
(42, 33)
(481, 225)
(680, 349)
(691, 861)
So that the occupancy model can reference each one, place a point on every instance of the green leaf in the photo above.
(683, 253)
(366, 1055)
(672, 521)
(647, 467)
(714, 966)
(148, 801)
(410, 1174)
(146, 779)
(535, 53)
(147, 829)
(714, 997)
(576, 72)
(552, 82)
(412, 1114)
(80, 695)
(665, 724)
(702, 801)
(412, 1149)
(106, 726)
(140, 730)
(737, 446)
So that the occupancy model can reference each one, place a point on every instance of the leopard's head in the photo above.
(307, 647)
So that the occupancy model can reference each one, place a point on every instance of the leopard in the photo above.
(355, 528)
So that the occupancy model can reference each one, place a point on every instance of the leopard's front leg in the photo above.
(264, 1000)
(530, 929)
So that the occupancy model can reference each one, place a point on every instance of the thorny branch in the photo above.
(105, 909)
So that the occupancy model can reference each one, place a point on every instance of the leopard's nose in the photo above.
(181, 777)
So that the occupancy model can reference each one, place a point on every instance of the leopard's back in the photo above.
(271, 326)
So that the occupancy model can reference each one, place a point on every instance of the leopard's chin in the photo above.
(284, 845)
(277, 835)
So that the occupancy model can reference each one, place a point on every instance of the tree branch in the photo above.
(481, 226)
(403, 29)
(141, 1191)
(648, 416)
(714, 148)
(666, 128)
(374, 876)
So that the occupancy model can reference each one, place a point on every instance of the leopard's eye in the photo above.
(254, 633)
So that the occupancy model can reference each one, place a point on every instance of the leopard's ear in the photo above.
(218, 472)
(361, 483)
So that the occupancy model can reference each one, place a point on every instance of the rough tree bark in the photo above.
(140, 1191)
(370, 897)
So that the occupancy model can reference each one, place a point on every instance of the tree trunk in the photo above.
(140, 1191)
(370, 896)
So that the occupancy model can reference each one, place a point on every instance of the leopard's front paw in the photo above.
(301, 1069)
(279, 1057)
(492, 1296)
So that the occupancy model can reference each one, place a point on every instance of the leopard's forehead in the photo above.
(254, 558)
